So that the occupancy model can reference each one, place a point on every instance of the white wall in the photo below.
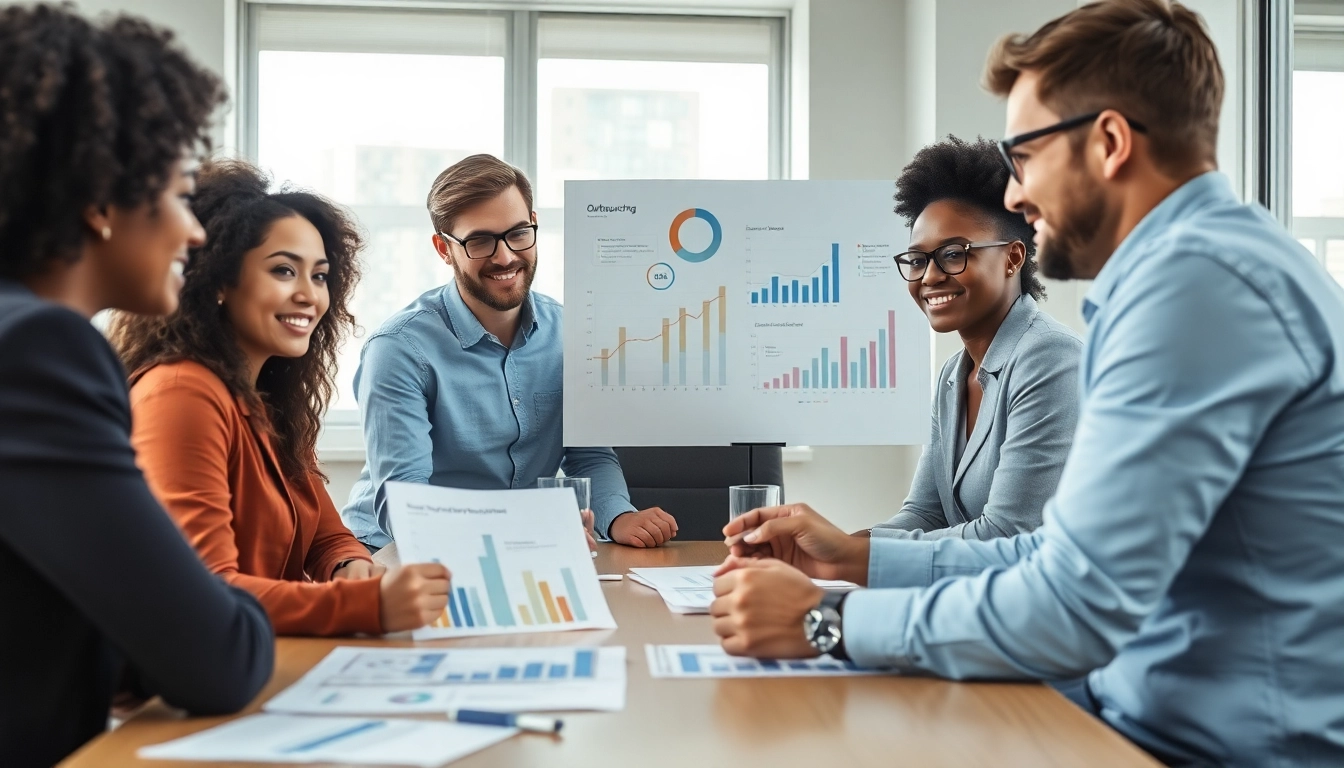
(883, 78)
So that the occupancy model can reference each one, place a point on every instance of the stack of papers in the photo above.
(690, 589)
(345, 740)
(713, 661)
(390, 681)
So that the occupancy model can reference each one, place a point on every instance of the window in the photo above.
(1318, 111)
(367, 106)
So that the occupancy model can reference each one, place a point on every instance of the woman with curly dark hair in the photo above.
(1005, 407)
(97, 127)
(228, 396)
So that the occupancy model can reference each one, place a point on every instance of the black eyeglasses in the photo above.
(950, 258)
(1006, 145)
(484, 246)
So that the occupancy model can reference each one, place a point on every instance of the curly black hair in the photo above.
(90, 115)
(237, 212)
(970, 173)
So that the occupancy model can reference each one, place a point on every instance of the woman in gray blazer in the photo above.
(1005, 407)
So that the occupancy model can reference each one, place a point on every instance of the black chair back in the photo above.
(691, 483)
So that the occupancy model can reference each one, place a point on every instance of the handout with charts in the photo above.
(344, 740)
(713, 661)
(359, 680)
(519, 558)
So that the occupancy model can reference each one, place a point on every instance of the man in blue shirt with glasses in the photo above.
(463, 387)
(1191, 563)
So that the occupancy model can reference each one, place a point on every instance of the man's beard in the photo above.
(1070, 252)
(478, 290)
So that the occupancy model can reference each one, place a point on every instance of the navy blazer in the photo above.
(1015, 455)
(98, 581)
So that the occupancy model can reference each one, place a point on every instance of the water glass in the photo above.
(583, 488)
(744, 498)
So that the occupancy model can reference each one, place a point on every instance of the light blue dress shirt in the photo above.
(1193, 555)
(443, 402)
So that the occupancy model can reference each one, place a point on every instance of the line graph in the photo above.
(635, 358)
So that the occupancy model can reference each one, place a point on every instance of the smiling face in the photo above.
(1059, 196)
(502, 281)
(281, 293)
(141, 263)
(979, 296)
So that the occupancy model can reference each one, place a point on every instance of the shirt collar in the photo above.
(1200, 192)
(464, 325)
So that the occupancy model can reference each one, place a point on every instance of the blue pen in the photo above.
(537, 723)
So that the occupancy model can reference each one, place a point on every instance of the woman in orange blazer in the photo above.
(227, 398)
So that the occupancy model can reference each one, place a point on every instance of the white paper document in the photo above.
(345, 740)
(519, 558)
(690, 589)
(713, 661)
(355, 680)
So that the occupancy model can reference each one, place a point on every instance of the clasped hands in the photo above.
(764, 588)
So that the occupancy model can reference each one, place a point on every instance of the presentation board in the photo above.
(718, 312)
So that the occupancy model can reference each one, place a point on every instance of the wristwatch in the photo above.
(822, 626)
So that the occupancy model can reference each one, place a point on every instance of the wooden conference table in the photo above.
(852, 722)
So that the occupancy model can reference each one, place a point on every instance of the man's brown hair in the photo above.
(1151, 60)
(470, 181)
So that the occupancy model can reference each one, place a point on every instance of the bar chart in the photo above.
(519, 558)
(636, 360)
(467, 666)
(541, 606)
(713, 661)
(821, 286)
(846, 365)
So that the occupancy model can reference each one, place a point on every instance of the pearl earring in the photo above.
(220, 301)
(106, 233)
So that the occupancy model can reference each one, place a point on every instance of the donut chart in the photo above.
(674, 235)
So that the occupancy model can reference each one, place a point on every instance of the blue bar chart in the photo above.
(713, 661)
(458, 667)
(822, 286)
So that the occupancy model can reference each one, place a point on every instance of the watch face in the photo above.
(820, 626)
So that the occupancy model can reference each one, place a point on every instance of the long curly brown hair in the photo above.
(237, 212)
(90, 115)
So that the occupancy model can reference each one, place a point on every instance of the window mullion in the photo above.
(520, 97)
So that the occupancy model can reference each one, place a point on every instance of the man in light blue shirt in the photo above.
(1193, 555)
(463, 388)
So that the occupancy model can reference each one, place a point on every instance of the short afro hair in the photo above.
(90, 115)
(972, 174)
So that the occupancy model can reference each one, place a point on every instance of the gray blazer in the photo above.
(1015, 455)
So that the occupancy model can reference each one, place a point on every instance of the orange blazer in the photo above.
(219, 479)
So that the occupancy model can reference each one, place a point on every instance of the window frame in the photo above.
(342, 436)
(1324, 35)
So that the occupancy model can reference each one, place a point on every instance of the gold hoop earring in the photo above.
(106, 233)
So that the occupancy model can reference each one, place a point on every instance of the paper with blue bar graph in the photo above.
(701, 661)
(716, 312)
(392, 681)
(344, 740)
(519, 558)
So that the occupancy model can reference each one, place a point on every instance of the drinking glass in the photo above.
(744, 498)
